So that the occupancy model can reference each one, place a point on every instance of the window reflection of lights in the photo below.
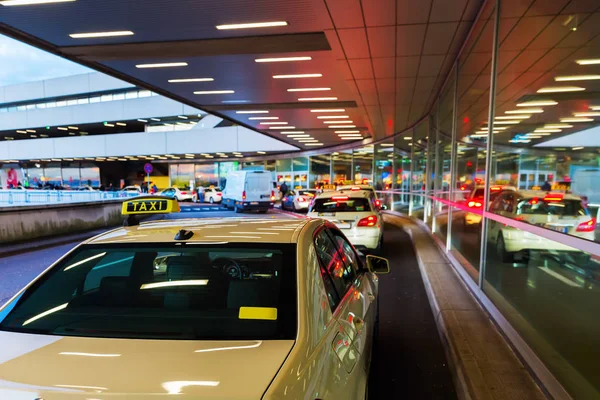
(85, 260)
(162, 65)
(291, 132)
(90, 35)
(537, 103)
(313, 144)
(82, 387)
(233, 237)
(74, 353)
(186, 80)
(407, 137)
(347, 131)
(298, 136)
(338, 122)
(577, 78)
(255, 233)
(227, 91)
(30, 2)
(45, 313)
(250, 346)
(587, 114)
(508, 122)
(519, 141)
(321, 89)
(561, 89)
(577, 148)
(282, 127)
(595, 108)
(174, 387)
(328, 110)
(189, 282)
(333, 117)
(576, 120)
(537, 133)
(530, 136)
(525, 111)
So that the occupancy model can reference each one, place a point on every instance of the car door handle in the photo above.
(358, 323)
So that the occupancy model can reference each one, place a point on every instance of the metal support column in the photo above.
(411, 199)
(453, 159)
(490, 142)
(436, 169)
(427, 178)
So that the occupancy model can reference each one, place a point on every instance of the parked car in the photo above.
(298, 200)
(213, 195)
(180, 195)
(249, 190)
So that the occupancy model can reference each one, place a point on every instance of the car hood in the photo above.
(75, 368)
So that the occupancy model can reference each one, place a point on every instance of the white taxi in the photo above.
(355, 188)
(355, 213)
(561, 212)
(232, 308)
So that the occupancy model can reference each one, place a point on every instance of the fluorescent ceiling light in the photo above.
(587, 114)
(537, 103)
(214, 92)
(561, 89)
(162, 65)
(407, 138)
(537, 133)
(142, 120)
(350, 137)
(282, 59)
(155, 119)
(341, 126)
(290, 132)
(298, 136)
(542, 130)
(259, 118)
(576, 120)
(282, 127)
(318, 89)
(24, 132)
(347, 131)
(294, 76)
(519, 141)
(261, 152)
(252, 25)
(589, 61)
(182, 117)
(106, 124)
(357, 135)
(517, 116)
(338, 122)
(186, 80)
(328, 110)
(595, 108)
(307, 140)
(60, 128)
(273, 123)
(30, 2)
(534, 136)
(121, 124)
(317, 98)
(100, 34)
(577, 78)
(252, 112)
(332, 116)
(313, 144)
(525, 111)
(508, 122)
(33, 131)
(556, 126)
(577, 148)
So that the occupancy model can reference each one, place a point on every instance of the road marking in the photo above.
(560, 277)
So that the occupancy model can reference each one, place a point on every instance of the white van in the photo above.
(249, 190)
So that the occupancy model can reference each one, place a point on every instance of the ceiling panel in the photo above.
(553, 57)
(387, 98)
(410, 39)
(361, 68)
(471, 10)
(439, 37)
(413, 12)
(344, 69)
(407, 66)
(386, 85)
(514, 8)
(444, 10)
(334, 42)
(384, 67)
(524, 32)
(425, 85)
(379, 13)
(382, 41)
(515, 63)
(354, 42)
(430, 65)
(345, 13)
(550, 36)
(580, 6)
(545, 7)
(585, 32)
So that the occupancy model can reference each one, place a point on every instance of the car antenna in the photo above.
(184, 235)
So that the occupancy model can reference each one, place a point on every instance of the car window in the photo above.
(333, 268)
(349, 256)
(234, 291)
(341, 204)
(535, 206)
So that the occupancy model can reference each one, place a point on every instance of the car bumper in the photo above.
(254, 205)
(363, 237)
(519, 241)
(301, 206)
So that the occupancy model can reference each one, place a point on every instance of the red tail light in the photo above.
(368, 221)
(588, 226)
(554, 197)
(340, 198)
(301, 199)
(272, 195)
(378, 203)
(244, 195)
(183, 192)
(285, 199)
(463, 188)
(495, 188)
(474, 204)
(219, 194)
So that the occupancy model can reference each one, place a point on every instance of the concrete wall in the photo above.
(19, 224)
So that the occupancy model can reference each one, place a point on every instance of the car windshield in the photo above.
(341, 204)
(536, 206)
(203, 292)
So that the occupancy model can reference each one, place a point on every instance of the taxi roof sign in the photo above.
(150, 205)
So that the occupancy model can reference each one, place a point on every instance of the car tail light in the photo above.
(474, 204)
(301, 199)
(554, 197)
(244, 195)
(219, 194)
(272, 195)
(495, 188)
(355, 188)
(183, 192)
(285, 199)
(463, 188)
(368, 221)
(588, 226)
(378, 203)
(340, 198)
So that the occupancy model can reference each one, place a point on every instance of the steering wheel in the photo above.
(230, 267)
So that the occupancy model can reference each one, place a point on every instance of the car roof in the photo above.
(346, 187)
(207, 230)
(541, 194)
(362, 194)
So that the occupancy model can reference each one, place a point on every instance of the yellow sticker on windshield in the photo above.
(258, 313)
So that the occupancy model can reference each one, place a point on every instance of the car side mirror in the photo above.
(378, 265)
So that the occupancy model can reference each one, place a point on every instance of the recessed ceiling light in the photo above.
(525, 111)
(261, 152)
(282, 59)
(577, 78)
(298, 136)
(297, 76)
(214, 92)
(589, 61)
(347, 131)
(30, 2)
(537, 103)
(23, 132)
(587, 114)
(186, 80)
(407, 137)
(100, 34)
(508, 122)
(251, 25)
(259, 118)
(328, 110)
(252, 112)
(142, 120)
(121, 124)
(576, 120)
(547, 130)
(338, 122)
(561, 89)
(274, 123)
(155, 119)
(555, 126)
(317, 89)
(291, 132)
(282, 127)
(60, 128)
(516, 116)
(162, 65)
(31, 130)
(313, 144)
(351, 137)
(341, 126)
(317, 98)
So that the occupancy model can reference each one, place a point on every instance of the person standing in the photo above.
(284, 189)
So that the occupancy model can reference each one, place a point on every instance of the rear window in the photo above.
(540, 207)
(341, 205)
(225, 292)
(309, 193)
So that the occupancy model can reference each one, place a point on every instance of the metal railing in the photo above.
(14, 197)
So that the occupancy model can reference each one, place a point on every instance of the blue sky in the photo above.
(22, 63)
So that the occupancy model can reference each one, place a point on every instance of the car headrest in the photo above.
(189, 267)
(252, 293)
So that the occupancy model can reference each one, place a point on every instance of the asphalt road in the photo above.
(408, 361)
